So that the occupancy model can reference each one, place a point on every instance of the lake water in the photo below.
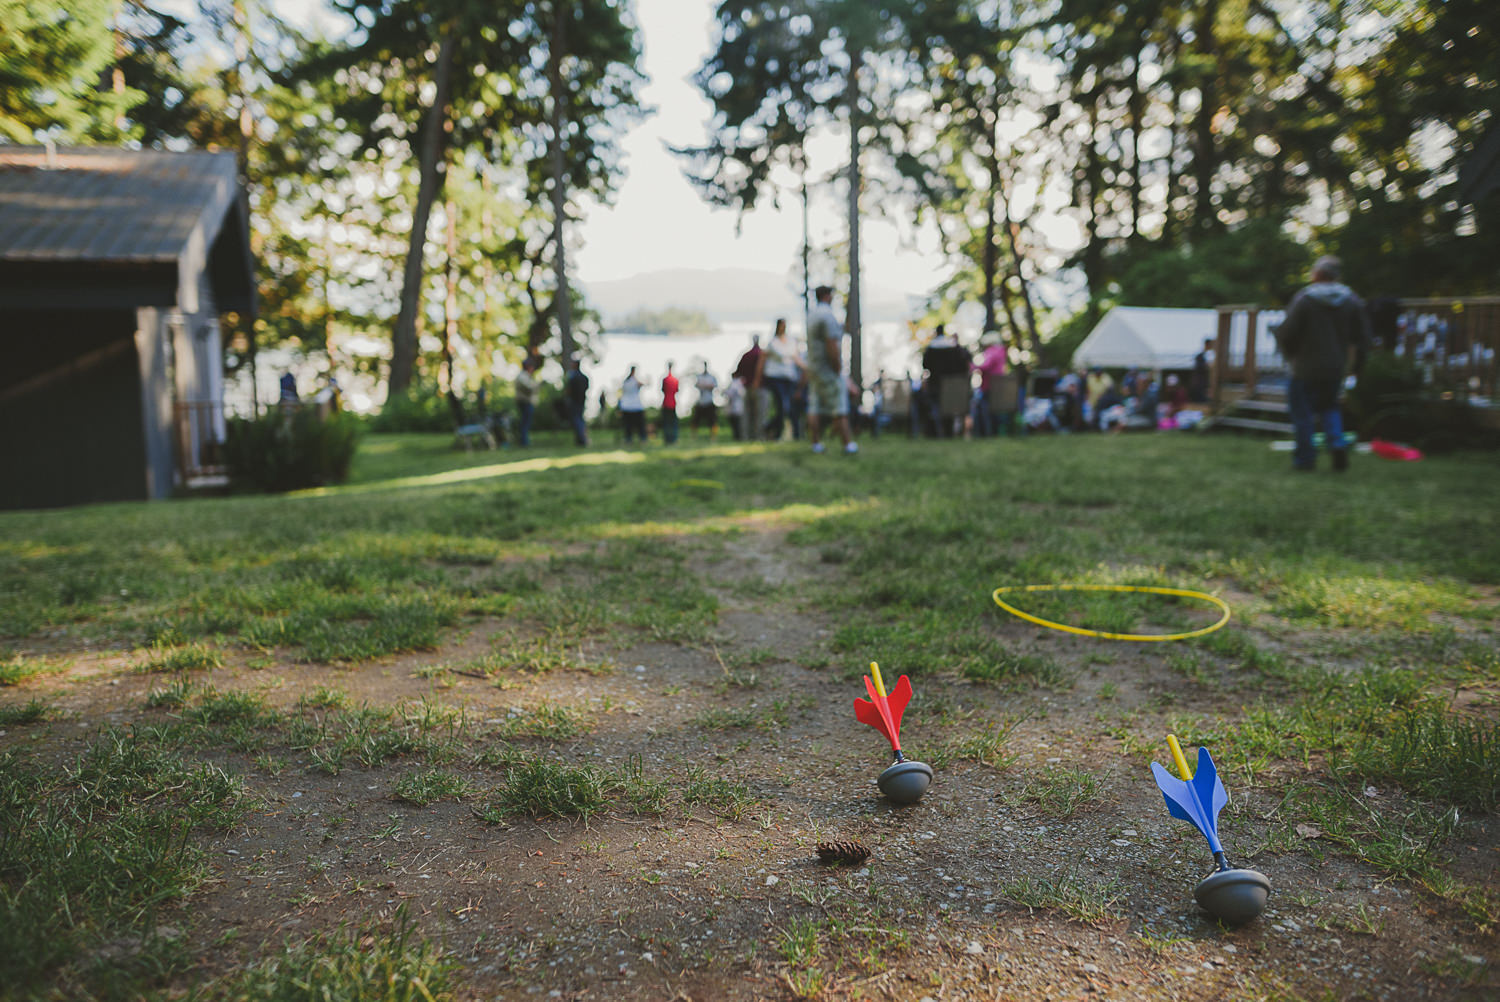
(887, 345)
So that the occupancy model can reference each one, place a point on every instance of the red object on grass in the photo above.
(884, 712)
(1390, 450)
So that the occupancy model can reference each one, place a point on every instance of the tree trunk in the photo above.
(431, 174)
(1017, 336)
(1012, 232)
(989, 257)
(446, 383)
(241, 74)
(990, 264)
(806, 249)
(851, 316)
(1093, 249)
(563, 298)
(1135, 102)
(450, 296)
(1174, 176)
(1204, 154)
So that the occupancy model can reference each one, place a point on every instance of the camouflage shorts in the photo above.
(826, 396)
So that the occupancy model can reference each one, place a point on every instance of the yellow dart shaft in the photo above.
(875, 674)
(1177, 756)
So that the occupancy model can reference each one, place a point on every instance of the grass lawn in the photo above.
(482, 725)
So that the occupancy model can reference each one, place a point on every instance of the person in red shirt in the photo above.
(669, 407)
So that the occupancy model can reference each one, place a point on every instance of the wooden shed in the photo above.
(115, 267)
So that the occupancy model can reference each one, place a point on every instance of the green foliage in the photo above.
(52, 55)
(1390, 401)
(288, 450)
(370, 964)
(418, 408)
(430, 786)
(1086, 902)
(15, 668)
(1258, 262)
(29, 712)
(670, 320)
(1062, 792)
(189, 657)
(1057, 351)
(1387, 381)
(99, 851)
(544, 788)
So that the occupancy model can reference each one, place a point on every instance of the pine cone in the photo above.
(842, 853)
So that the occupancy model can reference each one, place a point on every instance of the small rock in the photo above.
(974, 948)
(1091, 968)
(648, 957)
(772, 880)
(1129, 831)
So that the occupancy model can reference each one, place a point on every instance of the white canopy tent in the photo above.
(1145, 337)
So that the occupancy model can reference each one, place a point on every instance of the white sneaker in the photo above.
(818, 448)
(851, 448)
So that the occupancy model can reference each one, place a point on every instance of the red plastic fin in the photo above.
(897, 700)
(866, 712)
(892, 729)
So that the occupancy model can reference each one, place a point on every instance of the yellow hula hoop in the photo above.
(1138, 637)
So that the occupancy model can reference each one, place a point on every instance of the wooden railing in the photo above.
(1453, 341)
(1245, 351)
(200, 438)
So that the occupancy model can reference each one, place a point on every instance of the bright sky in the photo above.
(658, 220)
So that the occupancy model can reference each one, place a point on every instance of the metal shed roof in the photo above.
(113, 208)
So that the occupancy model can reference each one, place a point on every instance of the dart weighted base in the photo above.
(904, 782)
(1234, 897)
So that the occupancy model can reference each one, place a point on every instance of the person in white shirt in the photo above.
(705, 411)
(632, 409)
(734, 403)
(780, 370)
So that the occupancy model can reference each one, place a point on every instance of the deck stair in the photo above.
(1266, 412)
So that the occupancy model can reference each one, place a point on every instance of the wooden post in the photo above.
(1252, 315)
(1221, 359)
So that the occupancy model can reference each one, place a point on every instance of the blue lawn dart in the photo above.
(1232, 896)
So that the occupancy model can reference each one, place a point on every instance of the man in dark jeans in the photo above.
(1324, 322)
(577, 390)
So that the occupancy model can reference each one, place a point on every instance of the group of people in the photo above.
(958, 393)
(632, 404)
(1325, 324)
(1092, 400)
(773, 389)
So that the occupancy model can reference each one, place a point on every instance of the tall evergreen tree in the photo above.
(448, 78)
(54, 56)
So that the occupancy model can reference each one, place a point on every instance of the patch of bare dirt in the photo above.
(715, 903)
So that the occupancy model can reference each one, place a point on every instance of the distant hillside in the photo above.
(671, 320)
(726, 295)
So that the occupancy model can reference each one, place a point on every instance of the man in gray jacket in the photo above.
(1324, 323)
